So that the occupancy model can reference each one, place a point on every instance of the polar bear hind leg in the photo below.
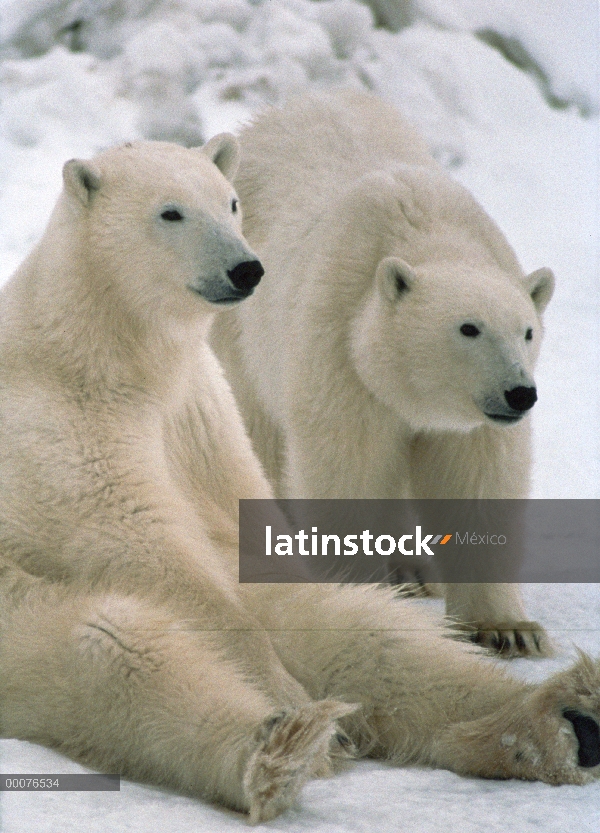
(151, 698)
(432, 700)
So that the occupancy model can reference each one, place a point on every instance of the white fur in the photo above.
(125, 639)
(349, 387)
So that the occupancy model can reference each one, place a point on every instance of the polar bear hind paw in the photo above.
(293, 745)
(548, 732)
(575, 693)
(587, 733)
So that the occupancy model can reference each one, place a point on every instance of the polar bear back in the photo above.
(297, 162)
(330, 185)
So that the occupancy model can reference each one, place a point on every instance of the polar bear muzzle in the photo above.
(239, 283)
(245, 276)
(519, 400)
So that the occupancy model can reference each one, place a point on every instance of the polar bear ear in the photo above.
(224, 150)
(540, 285)
(394, 277)
(82, 179)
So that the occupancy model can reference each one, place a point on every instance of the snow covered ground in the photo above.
(507, 95)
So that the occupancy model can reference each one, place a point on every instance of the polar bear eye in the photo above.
(172, 215)
(470, 330)
(234, 205)
(529, 334)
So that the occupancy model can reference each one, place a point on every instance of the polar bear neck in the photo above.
(80, 331)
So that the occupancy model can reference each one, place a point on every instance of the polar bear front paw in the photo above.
(509, 639)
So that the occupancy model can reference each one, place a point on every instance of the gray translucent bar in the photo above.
(399, 541)
(81, 782)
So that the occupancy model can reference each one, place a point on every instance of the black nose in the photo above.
(246, 275)
(521, 399)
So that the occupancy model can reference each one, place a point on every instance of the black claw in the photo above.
(520, 641)
(396, 577)
(343, 739)
(267, 725)
(419, 578)
(588, 734)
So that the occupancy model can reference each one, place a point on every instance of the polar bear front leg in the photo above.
(493, 615)
(486, 463)
(334, 453)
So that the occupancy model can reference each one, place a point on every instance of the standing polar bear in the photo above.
(390, 351)
(126, 640)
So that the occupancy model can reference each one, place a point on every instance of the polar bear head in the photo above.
(449, 330)
(159, 226)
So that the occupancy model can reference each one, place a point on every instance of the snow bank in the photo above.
(78, 76)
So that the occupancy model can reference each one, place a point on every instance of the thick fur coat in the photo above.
(391, 348)
(126, 640)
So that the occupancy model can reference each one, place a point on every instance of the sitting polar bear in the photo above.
(126, 640)
(390, 351)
